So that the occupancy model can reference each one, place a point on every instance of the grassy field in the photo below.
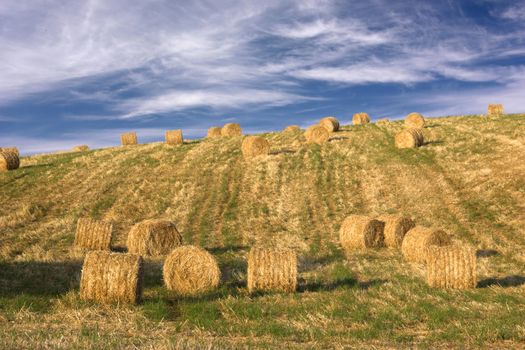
(468, 179)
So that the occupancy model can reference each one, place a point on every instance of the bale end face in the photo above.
(417, 240)
(214, 132)
(409, 138)
(451, 267)
(316, 134)
(331, 124)
(231, 129)
(153, 238)
(93, 234)
(361, 232)
(81, 148)
(395, 229)
(111, 278)
(190, 270)
(495, 110)
(292, 128)
(253, 146)
(8, 160)
(360, 118)
(272, 270)
(415, 121)
(128, 139)
(174, 137)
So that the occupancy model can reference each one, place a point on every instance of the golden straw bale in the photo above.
(231, 129)
(12, 150)
(383, 122)
(111, 277)
(452, 267)
(396, 227)
(360, 232)
(330, 123)
(174, 137)
(8, 160)
(360, 118)
(253, 146)
(409, 138)
(272, 270)
(414, 121)
(292, 128)
(153, 237)
(316, 134)
(191, 270)
(93, 234)
(495, 110)
(129, 138)
(81, 148)
(214, 131)
(417, 240)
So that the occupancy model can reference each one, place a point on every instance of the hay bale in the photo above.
(361, 232)
(360, 118)
(417, 240)
(8, 160)
(231, 129)
(81, 148)
(214, 131)
(253, 146)
(409, 138)
(153, 238)
(272, 270)
(191, 270)
(383, 122)
(395, 229)
(316, 134)
(292, 128)
(93, 234)
(11, 149)
(330, 123)
(174, 137)
(129, 138)
(414, 121)
(111, 277)
(452, 267)
(495, 110)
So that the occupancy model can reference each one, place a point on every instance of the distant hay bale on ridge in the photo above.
(128, 139)
(451, 267)
(93, 234)
(174, 137)
(409, 138)
(330, 123)
(383, 122)
(111, 278)
(396, 227)
(191, 270)
(214, 131)
(495, 110)
(272, 270)
(81, 148)
(292, 128)
(360, 118)
(361, 232)
(9, 160)
(231, 129)
(153, 238)
(253, 146)
(414, 121)
(417, 240)
(316, 134)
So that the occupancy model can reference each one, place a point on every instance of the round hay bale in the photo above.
(253, 146)
(272, 270)
(111, 278)
(409, 138)
(395, 229)
(191, 270)
(12, 150)
(452, 267)
(128, 139)
(360, 118)
(417, 240)
(316, 134)
(383, 122)
(292, 128)
(495, 110)
(361, 232)
(153, 238)
(174, 137)
(330, 123)
(415, 121)
(8, 160)
(231, 129)
(81, 148)
(93, 234)
(214, 131)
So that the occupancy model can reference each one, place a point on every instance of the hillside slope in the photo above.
(469, 179)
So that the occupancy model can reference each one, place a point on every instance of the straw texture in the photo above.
(452, 267)
(272, 270)
(174, 137)
(153, 238)
(361, 232)
(93, 234)
(417, 240)
(316, 134)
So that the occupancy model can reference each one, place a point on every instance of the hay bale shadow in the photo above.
(434, 142)
(338, 138)
(486, 253)
(119, 249)
(282, 151)
(349, 282)
(509, 281)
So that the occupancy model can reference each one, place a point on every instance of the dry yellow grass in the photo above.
(409, 138)
(231, 129)
(153, 238)
(292, 128)
(360, 232)
(417, 240)
(253, 146)
(451, 267)
(396, 226)
(414, 121)
(330, 123)
(191, 270)
(383, 122)
(93, 234)
(214, 131)
(8, 160)
(128, 139)
(360, 118)
(81, 148)
(272, 270)
(316, 134)
(174, 137)
(495, 110)
(111, 278)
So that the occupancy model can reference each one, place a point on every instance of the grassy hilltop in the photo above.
(469, 179)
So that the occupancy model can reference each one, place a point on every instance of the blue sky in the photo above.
(82, 72)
